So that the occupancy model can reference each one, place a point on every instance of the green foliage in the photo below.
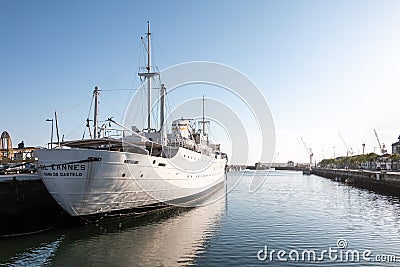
(394, 157)
(351, 162)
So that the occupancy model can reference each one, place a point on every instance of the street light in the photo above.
(51, 137)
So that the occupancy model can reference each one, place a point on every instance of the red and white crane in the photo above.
(348, 150)
(381, 147)
(309, 151)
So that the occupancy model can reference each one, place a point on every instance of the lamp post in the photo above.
(51, 137)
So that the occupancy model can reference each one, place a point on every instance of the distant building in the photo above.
(303, 165)
(396, 147)
(290, 164)
(383, 162)
(8, 154)
(261, 166)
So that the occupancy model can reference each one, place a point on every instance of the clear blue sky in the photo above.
(324, 66)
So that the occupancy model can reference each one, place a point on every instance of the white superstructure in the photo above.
(139, 169)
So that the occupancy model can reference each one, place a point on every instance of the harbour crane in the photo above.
(381, 147)
(309, 151)
(348, 151)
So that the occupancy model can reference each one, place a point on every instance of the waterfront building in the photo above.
(396, 147)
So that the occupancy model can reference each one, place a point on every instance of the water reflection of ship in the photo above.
(166, 238)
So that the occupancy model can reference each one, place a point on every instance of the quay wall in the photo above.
(379, 181)
(25, 205)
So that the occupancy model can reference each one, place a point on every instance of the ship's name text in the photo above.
(77, 170)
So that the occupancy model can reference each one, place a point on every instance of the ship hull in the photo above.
(90, 181)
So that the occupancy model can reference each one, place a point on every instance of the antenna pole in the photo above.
(162, 106)
(96, 111)
(148, 78)
(203, 118)
(58, 135)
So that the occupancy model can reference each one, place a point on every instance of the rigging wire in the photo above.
(141, 58)
(76, 129)
(87, 120)
(137, 106)
(211, 134)
(154, 106)
(118, 74)
(168, 110)
(141, 91)
(112, 107)
(71, 108)
(136, 78)
(159, 49)
(118, 89)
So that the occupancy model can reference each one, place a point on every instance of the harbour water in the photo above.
(289, 212)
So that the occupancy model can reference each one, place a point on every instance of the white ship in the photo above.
(140, 169)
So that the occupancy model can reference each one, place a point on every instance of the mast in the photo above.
(203, 121)
(162, 114)
(96, 111)
(148, 67)
(148, 74)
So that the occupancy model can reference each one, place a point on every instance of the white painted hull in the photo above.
(123, 180)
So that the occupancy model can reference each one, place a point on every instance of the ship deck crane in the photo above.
(381, 147)
(309, 151)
